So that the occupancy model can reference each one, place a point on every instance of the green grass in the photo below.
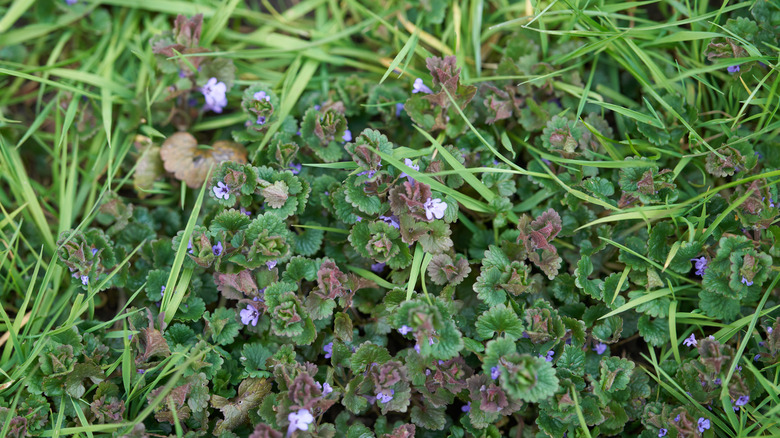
(54, 174)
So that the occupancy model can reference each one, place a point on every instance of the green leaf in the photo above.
(222, 325)
(655, 331)
(499, 320)
(254, 357)
(366, 354)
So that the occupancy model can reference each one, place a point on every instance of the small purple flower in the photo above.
(662, 433)
(746, 282)
(347, 135)
(260, 95)
(140, 371)
(420, 87)
(359, 219)
(217, 249)
(261, 120)
(221, 190)
(326, 389)
(417, 348)
(738, 368)
(434, 208)
(404, 330)
(690, 341)
(214, 92)
(370, 173)
(71, 2)
(398, 108)
(189, 247)
(94, 251)
(701, 265)
(717, 381)
(677, 418)
(317, 107)
(495, 372)
(384, 396)
(392, 220)
(600, 348)
(549, 357)
(84, 280)
(328, 349)
(295, 168)
(270, 265)
(299, 421)
(769, 330)
(378, 267)
(756, 357)
(466, 407)
(704, 424)
(129, 337)
(733, 69)
(742, 400)
(250, 315)
(411, 164)
(245, 211)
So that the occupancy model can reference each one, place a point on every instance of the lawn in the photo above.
(388, 218)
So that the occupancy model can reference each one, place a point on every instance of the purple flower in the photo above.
(328, 349)
(378, 267)
(411, 164)
(756, 357)
(295, 168)
(404, 330)
(495, 372)
(600, 348)
(742, 400)
(677, 418)
(419, 87)
(704, 424)
(384, 396)
(250, 315)
(217, 249)
(94, 251)
(214, 92)
(466, 407)
(299, 421)
(738, 368)
(434, 208)
(733, 69)
(417, 348)
(84, 280)
(71, 2)
(701, 265)
(140, 371)
(746, 282)
(326, 389)
(261, 120)
(245, 211)
(392, 220)
(347, 135)
(370, 173)
(690, 341)
(549, 357)
(662, 433)
(221, 190)
(717, 381)
(398, 108)
(271, 264)
(769, 330)
(359, 219)
(189, 246)
(260, 95)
